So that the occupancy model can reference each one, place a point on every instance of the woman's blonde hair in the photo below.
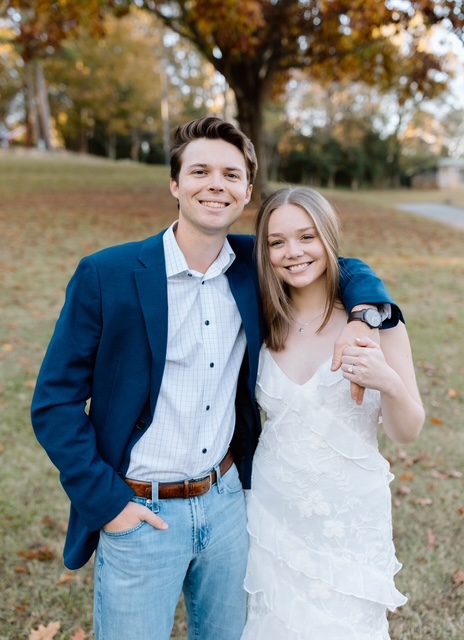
(275, 293)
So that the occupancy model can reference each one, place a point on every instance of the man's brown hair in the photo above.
(213, 129)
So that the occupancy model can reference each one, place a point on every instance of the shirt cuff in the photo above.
(385, 311)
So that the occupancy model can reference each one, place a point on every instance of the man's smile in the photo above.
(214, 204)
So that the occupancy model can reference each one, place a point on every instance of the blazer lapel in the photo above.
(151, 282)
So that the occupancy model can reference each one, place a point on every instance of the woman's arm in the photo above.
(389, 368)
(360, 287)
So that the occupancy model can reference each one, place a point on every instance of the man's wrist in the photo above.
(369, 316)
(384, 309)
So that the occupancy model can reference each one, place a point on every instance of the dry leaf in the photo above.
(437, 422)
(437, 475)
(407, 476)
(7, 347)
(424, 502)
(21, 569)
(432, 539)
(423, 457)
(458, 577)
(79, 634)
(43, 554)
(453, 394)
(68, 577)
(22, 608)
(455, 474)
(403, 491)
(461, 511)
(45, 633)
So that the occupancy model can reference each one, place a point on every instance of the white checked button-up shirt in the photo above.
(195, 415)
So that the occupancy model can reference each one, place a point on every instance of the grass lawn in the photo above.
(55, 209)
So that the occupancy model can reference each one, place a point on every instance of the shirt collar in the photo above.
(176, 264)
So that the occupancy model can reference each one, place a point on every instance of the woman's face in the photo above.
(295, 248)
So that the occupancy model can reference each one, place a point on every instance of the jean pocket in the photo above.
(231, 480)
(126, 532)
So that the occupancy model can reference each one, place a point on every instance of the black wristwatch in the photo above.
(370, 316)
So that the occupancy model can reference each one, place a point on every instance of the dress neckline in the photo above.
(297, 384)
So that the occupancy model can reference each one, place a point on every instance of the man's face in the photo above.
(212, 188)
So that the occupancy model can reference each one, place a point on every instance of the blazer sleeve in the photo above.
(360, 285)
(59, 417)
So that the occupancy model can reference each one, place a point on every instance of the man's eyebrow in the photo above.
(204, 165)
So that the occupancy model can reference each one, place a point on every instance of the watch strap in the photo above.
(361, 315)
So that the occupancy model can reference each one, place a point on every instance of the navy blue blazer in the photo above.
(98, 385)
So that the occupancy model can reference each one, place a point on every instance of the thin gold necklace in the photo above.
(305, 324)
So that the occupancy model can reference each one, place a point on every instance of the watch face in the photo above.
(373, 317)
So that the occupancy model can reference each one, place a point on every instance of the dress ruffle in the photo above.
(322, 560)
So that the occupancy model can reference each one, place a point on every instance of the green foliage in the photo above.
(379, 43)
(111, 81)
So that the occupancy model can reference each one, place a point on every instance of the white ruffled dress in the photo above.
(322, 561)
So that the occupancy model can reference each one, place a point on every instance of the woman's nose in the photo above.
(294, 250)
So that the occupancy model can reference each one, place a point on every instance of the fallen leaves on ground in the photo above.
(458, 577)
(80, 634)
(407, 476)
(45, 633)
(424, 502)
(431, 539)
(43, 554)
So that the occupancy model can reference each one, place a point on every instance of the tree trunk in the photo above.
(32, 124)
(43, 105)
(250, 118)
(111, 146)
(135, 145)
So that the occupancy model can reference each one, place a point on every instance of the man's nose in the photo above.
(216, 182)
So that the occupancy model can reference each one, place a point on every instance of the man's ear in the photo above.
(249, 192)
(174, 188)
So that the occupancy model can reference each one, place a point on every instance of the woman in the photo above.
(322, 560)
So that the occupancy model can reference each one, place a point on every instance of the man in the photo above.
(163, 336)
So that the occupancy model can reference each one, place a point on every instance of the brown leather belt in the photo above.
(185, 489)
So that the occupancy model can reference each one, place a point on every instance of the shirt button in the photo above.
(208, 407)
(206, 322)
(204, 450)
(189, 275)
(211, 364)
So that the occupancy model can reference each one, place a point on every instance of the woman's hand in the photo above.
(365, 365)
(352, 332)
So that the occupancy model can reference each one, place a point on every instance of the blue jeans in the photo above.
(140, 573)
